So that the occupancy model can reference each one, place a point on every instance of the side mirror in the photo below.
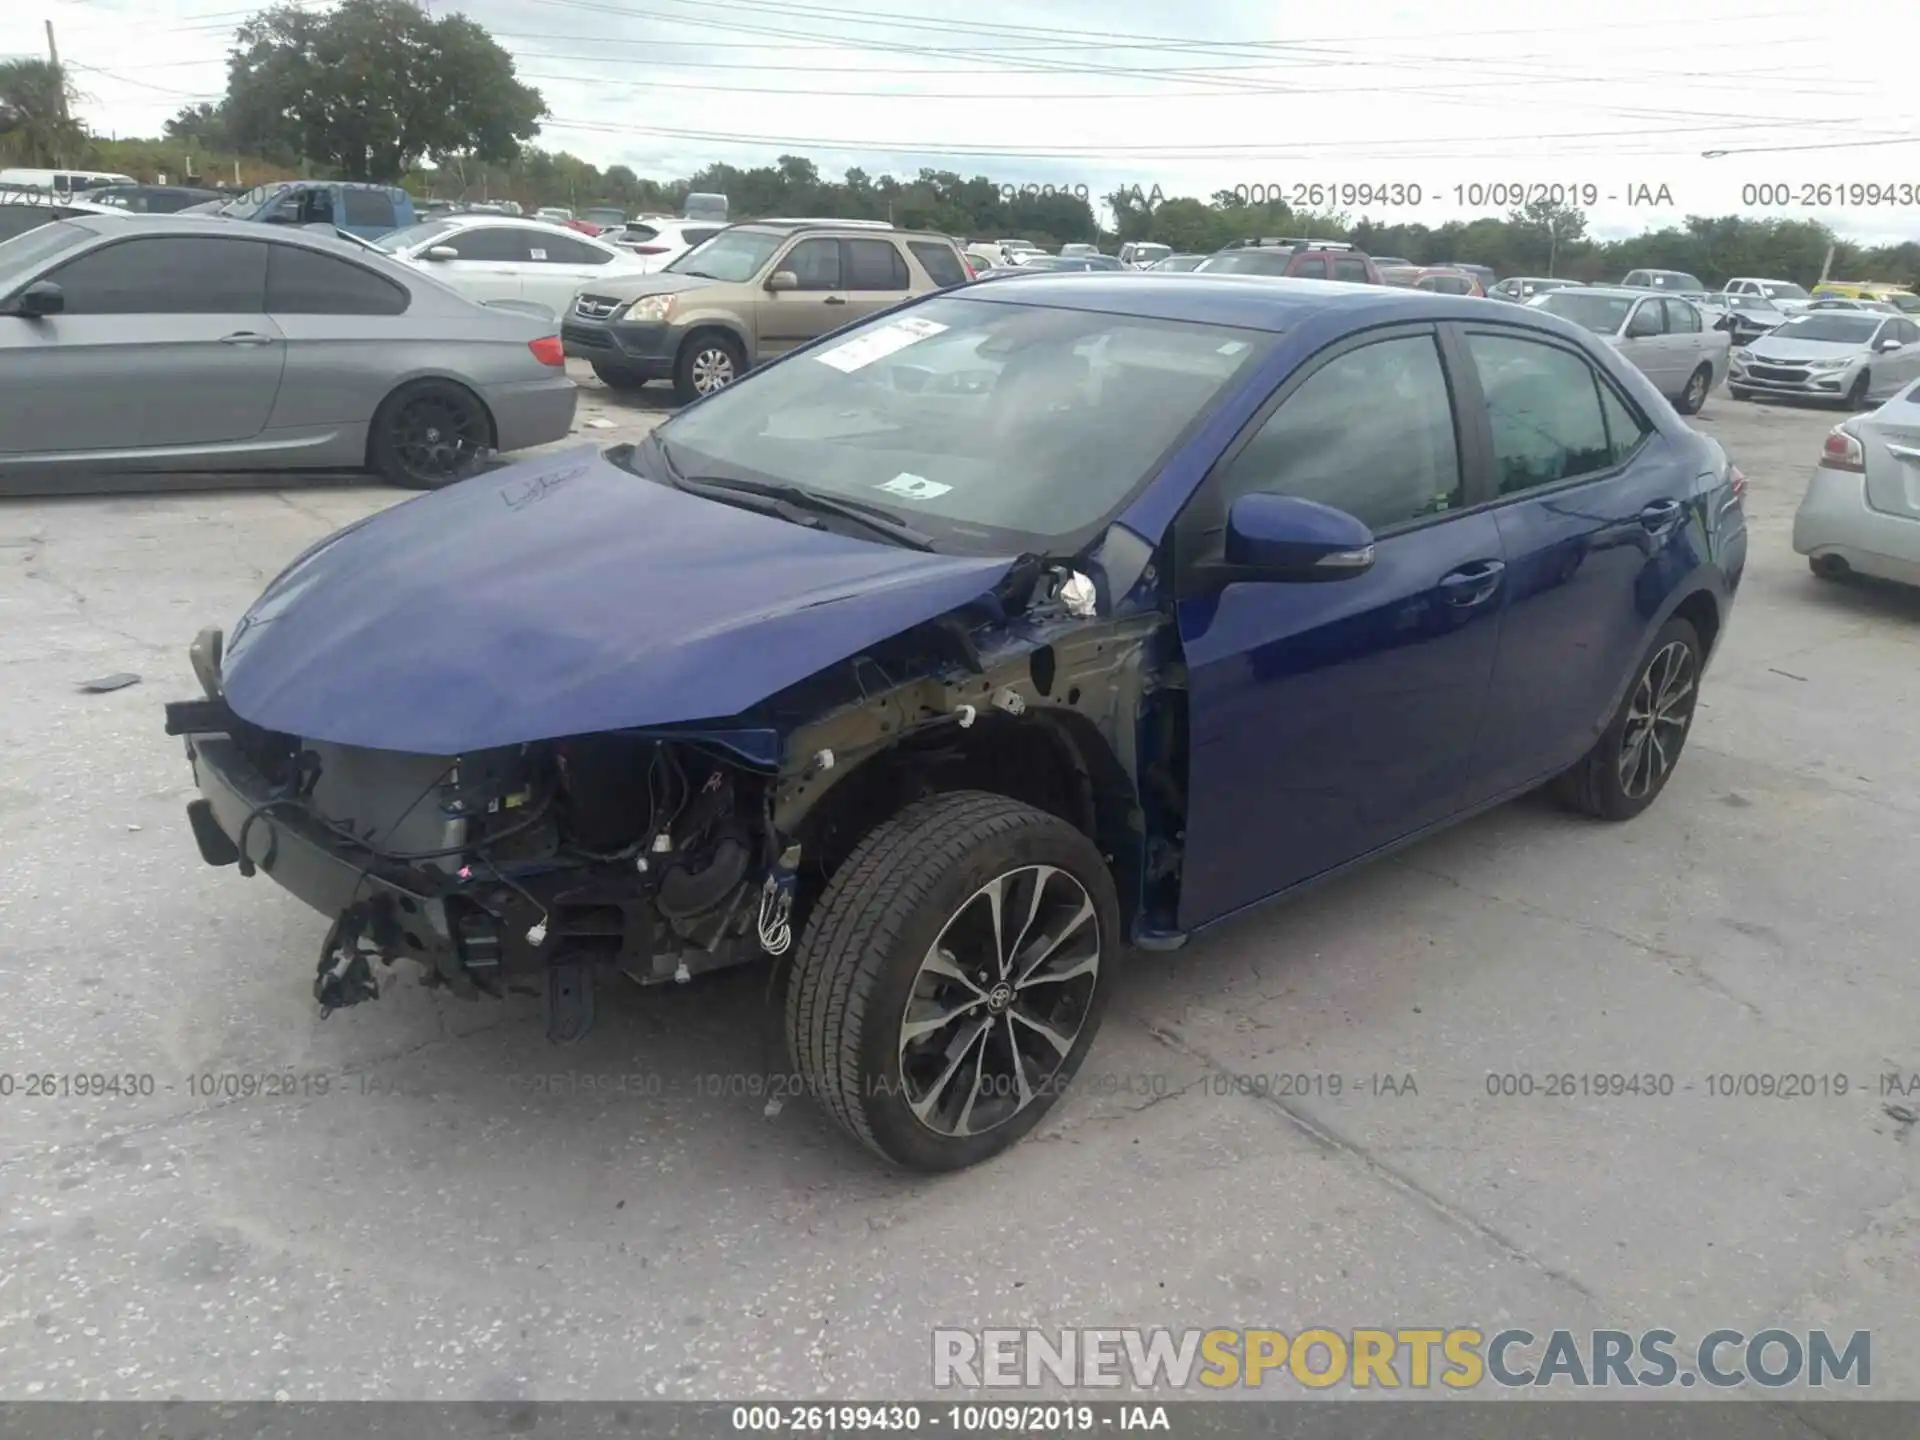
(1281, 537)
(441, 252)
(1888, 344)
(783, 280)
(43, 297)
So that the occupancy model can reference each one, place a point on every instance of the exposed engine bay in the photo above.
(664, 854)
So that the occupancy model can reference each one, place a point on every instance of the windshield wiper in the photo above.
(798, 497)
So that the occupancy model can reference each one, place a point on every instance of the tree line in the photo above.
(380, 90)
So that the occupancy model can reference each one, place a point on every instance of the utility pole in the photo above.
(60, 82)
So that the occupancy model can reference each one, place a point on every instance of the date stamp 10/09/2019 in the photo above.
(1409, 198)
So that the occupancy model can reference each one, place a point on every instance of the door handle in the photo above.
(834, 300)
(1472, 584)
(1661, 515)
(246, 337)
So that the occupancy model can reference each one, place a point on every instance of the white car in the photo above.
(1668, 338)
(1861, 512)
(1856, 357)
(657, 243)
(1785, 296)
(495, 259)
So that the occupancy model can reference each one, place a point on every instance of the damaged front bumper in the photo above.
(543, 919)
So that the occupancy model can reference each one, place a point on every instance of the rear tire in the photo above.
(1740, 394)
(1631, 762)
(709, 360)
(618, 377)
(428, 434)
(1829, 567)
(1695, 395)
(932, 1035)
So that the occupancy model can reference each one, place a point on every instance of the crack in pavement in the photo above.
(1684, 966)
(1340, 1145)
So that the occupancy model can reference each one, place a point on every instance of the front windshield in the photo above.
(995, 428)
(394, 241)
(1905, 304)
(732, 255)
(1178, 262)
(1830, 329)
(1602, 314)
(1246, 262)
(1782, 290)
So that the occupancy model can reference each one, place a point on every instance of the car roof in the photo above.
(127, 222)
(1249, 302)
(1623, 292)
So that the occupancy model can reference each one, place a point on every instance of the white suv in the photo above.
(658, 243)
(1785, 296)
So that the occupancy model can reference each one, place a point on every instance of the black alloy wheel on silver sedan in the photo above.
(952, 977)
(429, 434)
(1631, 762)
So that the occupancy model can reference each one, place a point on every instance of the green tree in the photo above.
(1553, 226)
(370, 87)
(37, 128)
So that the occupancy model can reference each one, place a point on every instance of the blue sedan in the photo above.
(941, 660)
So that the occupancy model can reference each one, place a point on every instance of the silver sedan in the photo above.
(1668, 338)
(1855, 357)
(1861, 512)
(140, 345)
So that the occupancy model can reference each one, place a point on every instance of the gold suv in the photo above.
(748, 295)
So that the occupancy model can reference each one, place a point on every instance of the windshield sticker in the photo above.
(863, 350)
(914, 487)
(1233, 347)
(537, 253)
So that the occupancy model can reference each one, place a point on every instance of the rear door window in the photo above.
(874, 265)
(305, 282)
(167, 275)
(1543, 404)
(1351, 270)
(565, 250)
(1682, 318)
(370, 208)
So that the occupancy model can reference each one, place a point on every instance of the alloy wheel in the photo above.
(1696, 391)
(712, 368)
(999, 1001)
(1657, 719)
(436, 437)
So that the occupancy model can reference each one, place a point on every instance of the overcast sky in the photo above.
(1190, 97)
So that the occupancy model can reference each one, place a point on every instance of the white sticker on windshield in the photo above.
(863, 350)
(914, 487)
(538, 254)
(1233, 347)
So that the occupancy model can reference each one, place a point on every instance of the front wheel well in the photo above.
(1702, 612)
(1056, 762)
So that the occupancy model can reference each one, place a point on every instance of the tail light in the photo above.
(967, 269)
(1736, 482)
(1843, 452)
(548, 350)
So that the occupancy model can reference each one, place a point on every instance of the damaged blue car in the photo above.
(960, 650)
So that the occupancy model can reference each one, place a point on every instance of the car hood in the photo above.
(627, 284)
(560, 597)
(1782, 347)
